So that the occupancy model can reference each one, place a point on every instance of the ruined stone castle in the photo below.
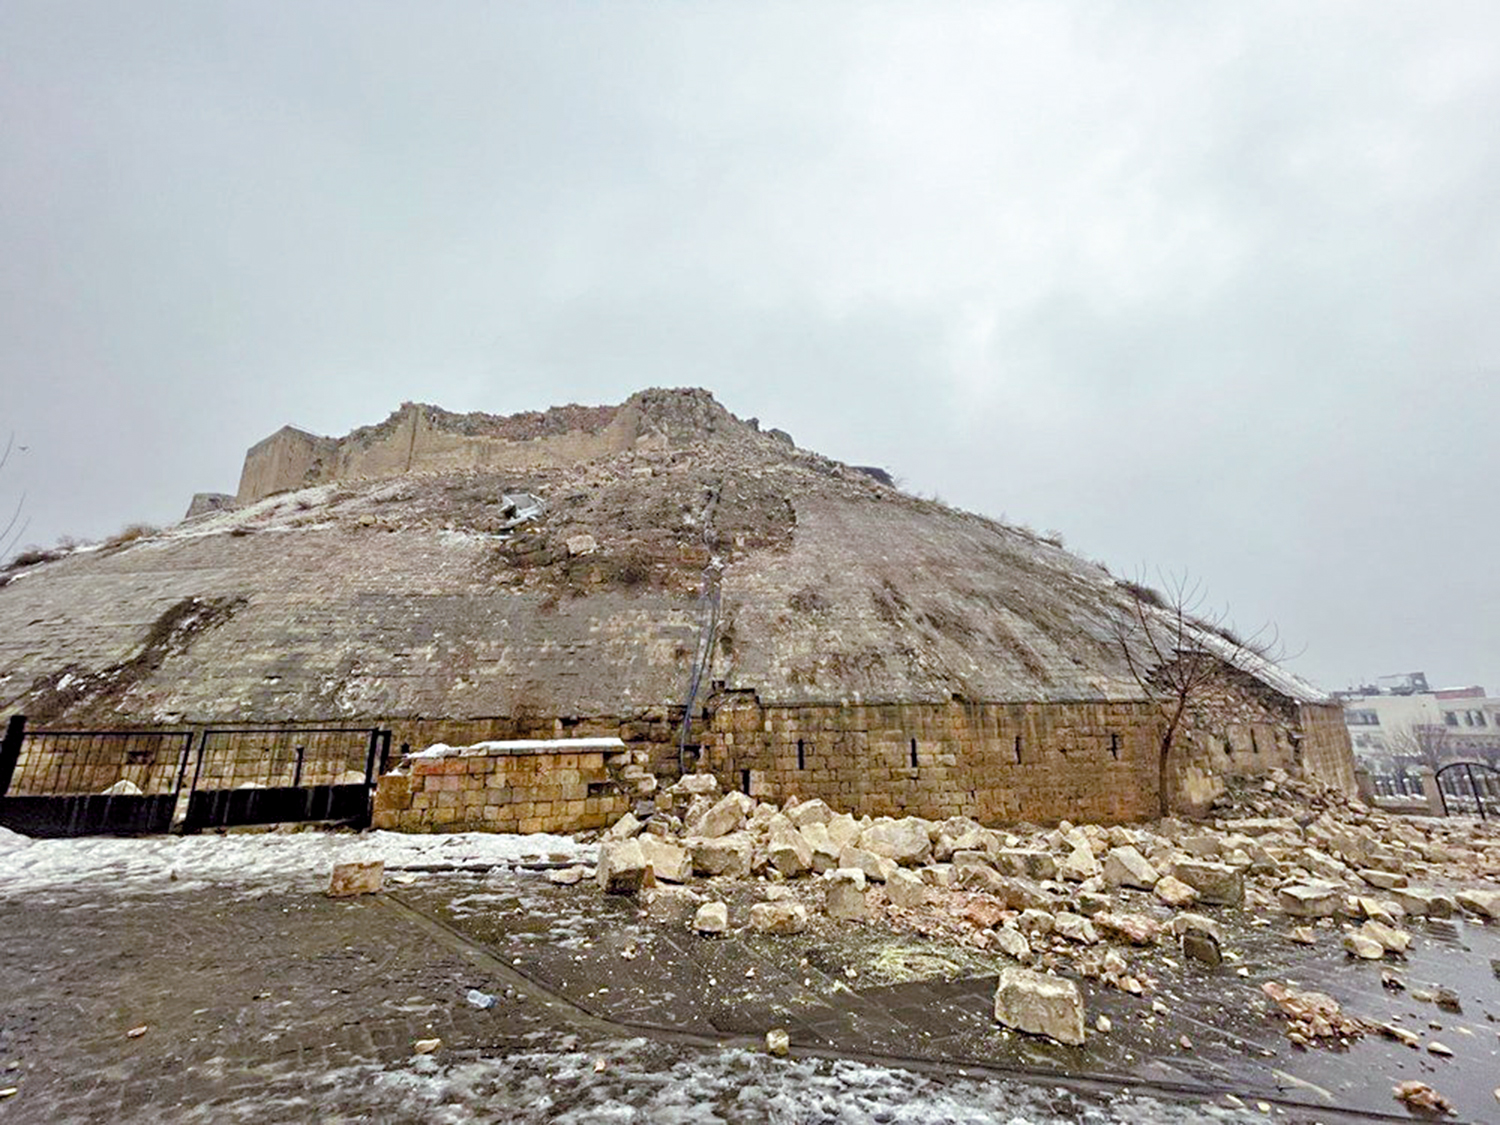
(662, 572)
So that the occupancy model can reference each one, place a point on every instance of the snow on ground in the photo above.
(638, 1086)
(297, 861)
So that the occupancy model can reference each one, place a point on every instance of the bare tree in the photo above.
(1184, 657)
(15, 526)
(1425, 743)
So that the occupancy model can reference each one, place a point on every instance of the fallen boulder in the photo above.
(711, 918)
(1126, 867)
(846, 895)
(622, 869)
(906, 841)
(1174, 892)
(1216, 883)
(1309, 900)
(1482, 904)
(790, 852)
(724, 817)
(669, 862)
(780, 917)
(350, 879)
(906, 890)
(1040, 1005)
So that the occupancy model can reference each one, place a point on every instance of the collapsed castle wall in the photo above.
(562, 786)
(423, 438)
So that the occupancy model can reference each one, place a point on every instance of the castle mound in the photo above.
(607, 570)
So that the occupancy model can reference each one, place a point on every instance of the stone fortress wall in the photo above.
(419, 437)
(855, 619)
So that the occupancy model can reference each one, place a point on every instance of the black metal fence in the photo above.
(271, 775)
(90, 782)
(1469, 787)
(125, 782)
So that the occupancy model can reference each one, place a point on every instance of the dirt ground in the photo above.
(279, 1004)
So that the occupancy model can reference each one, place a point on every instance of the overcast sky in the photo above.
(1202, 286)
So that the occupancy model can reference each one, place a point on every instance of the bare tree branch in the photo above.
(1180, 655)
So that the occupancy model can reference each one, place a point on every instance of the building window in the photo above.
(1451, 718)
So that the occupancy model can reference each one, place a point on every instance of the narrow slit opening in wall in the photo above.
(914, 753)
(1114, 745)
(1254, 745)
(745, 782)
(1228, 749)
(801, 755)
(1018, 749)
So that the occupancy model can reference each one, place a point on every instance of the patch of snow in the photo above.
(299, 861)
(558, 745)
(637, 1085)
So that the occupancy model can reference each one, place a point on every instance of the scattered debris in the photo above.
(1419, 1095)
(1312, 1017)
(350, 879)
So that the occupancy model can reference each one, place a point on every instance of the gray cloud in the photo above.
(1201, 287)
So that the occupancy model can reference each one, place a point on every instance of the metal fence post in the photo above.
(372, 755)
(10, 750)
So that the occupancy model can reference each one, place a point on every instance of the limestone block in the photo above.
(790, 853)
(1040, 1005)
(843, 829)
(1203, 947)
(672, 905)
(350, 879)
(1186, 923)
(1137, 929)
(906, 841)
(778, 917)
(1126, 867)
(825, 851)
(623, 829)
(868, 862)
(1309, 900)
(712, 918)
(846, 895)
(1174, 892)
(1482, 904)
(698, 785)
(622, 869)
(906, 890)
(1424, 902)
(1391, 939)
(1216, 883)
(726, 816)
(1030, 863)
(1074, 927)
(1204, 847)
(1079, 866)
(1011, 942)
(809, 812)
(721, 855)
(669, 862)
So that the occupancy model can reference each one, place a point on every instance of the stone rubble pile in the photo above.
(1074, 896)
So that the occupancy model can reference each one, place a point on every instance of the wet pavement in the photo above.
(282, 1005)
(858, 991)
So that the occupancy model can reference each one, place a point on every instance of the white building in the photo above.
(1401, 717)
